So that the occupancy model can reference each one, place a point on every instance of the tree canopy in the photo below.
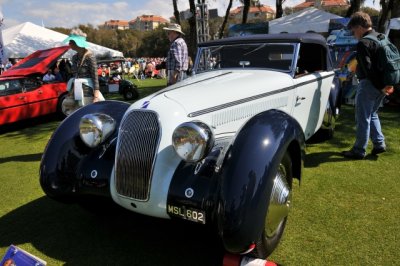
(155, 43)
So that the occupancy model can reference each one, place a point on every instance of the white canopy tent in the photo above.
(306, 20)
(26, 38)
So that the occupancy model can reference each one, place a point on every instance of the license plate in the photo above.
(187, 213)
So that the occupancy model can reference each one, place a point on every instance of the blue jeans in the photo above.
(368, 100)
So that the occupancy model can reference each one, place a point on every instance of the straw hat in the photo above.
(174, 27)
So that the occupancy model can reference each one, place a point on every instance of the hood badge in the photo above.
(145, 104)
(189, 192)
(93, 174)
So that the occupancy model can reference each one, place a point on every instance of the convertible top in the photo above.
(270, 38)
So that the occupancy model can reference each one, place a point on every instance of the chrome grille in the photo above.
(138, 140)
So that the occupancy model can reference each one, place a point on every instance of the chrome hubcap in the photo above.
(279, 203)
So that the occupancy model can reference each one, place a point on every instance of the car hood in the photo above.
(37, 63)
(220, 88)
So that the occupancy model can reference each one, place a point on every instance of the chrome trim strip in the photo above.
(256, 97)
(245, 100)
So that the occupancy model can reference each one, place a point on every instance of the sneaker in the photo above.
(376, 151)
(352, 155)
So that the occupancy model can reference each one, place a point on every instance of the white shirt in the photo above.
(49, 77)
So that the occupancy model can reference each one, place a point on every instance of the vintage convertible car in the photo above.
(24, 95)
(221, 147)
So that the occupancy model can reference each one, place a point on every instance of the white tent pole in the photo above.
(2, 53)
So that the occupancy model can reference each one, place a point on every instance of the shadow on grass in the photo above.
(22, 158)
(345, 136)
(28, 126)
(318, 158)
(68, 233)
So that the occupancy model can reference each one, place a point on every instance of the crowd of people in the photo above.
(145, 67)
(4, 67)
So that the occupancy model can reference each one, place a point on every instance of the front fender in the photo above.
(248, 172)
(68, 167)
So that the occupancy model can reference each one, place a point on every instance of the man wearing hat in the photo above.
(177, 58)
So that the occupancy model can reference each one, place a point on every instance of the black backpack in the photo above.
(388, 59)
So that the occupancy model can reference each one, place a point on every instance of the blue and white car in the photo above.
(220, 147)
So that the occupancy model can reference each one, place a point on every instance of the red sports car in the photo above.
(23, 93)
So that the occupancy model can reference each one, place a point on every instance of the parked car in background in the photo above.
(23, 93)
(220, 148)
(111, 79)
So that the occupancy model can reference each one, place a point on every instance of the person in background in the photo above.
(149, 71)
(370, 92)
(177, 58)
(8, 65)
(49, 76)
(65, 69)
(57, 75)
(84, 65)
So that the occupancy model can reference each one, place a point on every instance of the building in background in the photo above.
(147, 22)
(321, 4)
(116, 24)
(256, 13)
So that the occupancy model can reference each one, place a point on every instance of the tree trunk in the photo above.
(246, 7)
(383, 15)
(396, 9)
(222, 28)
(354, 7)
(192, 45)
(176, 12)
(279, 9)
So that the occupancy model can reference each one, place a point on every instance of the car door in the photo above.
(42, 97)
(13, 101)
(310, 100)
(313, 84)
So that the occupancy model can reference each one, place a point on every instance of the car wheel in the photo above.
(130, 94)
(62, 106)
(278, 209)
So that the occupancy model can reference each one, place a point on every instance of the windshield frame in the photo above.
(257, 46)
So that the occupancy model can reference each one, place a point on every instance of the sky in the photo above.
(67, 14)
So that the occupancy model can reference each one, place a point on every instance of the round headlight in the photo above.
(192, 141)
(96, 128)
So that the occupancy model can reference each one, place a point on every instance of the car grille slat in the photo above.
(138, 141)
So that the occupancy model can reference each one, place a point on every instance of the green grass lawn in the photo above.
(344, 213)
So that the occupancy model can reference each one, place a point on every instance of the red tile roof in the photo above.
(327, 3)
(335, 3)
(304, 5)
(150, 18)
(123, 23)
(254, 9)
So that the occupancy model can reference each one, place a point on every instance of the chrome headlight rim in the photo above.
(192, 141)
(95, 128)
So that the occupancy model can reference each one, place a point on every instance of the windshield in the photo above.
(11, 86)
(264, 56)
